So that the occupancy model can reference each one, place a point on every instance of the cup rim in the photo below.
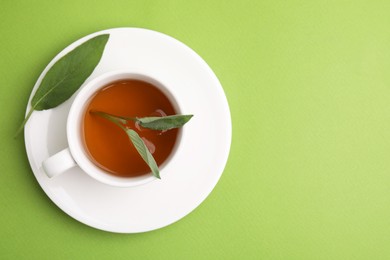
(74, 121)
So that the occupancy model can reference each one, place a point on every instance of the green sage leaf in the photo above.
(165, 122)
(143, 151)
(66, 76)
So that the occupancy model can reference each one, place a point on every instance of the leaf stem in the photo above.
(20, 129)
(115, 119)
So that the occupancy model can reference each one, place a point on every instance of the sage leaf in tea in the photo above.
(164, 122)
(143, 150)
(160, 123)
(154, 123)
(66, 76)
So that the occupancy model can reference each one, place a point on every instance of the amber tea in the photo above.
(108, 146)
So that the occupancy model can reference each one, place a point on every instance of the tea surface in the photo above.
(108, 146)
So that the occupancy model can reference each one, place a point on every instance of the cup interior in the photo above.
(75, 131)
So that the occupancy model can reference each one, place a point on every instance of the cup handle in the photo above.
(58, 163)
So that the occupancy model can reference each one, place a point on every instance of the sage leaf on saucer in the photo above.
(154, 123)
(66, 76)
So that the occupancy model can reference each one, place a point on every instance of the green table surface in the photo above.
(308, 84)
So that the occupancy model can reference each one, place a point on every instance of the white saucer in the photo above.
(198, 168)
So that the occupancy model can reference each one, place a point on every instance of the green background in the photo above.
(308, 84)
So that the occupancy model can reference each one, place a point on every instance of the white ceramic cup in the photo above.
(76, 155)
